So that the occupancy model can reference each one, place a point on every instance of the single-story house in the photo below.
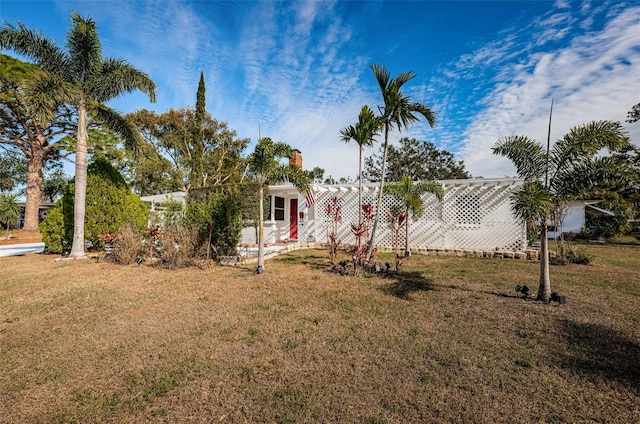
(576, 215)
(474, 214)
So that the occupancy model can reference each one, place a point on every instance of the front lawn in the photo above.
(448, 340)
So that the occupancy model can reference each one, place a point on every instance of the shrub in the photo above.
(127, 245)
(220, 209)
(53, 231)
(578, 255)
(180, 246)
(110, 204)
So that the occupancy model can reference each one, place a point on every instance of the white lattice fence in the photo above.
(474, 214)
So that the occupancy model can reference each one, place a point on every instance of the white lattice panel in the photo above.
(474, 214)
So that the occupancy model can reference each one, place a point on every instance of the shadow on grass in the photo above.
(402, 285)
(600, 351)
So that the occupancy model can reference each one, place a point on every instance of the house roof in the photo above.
(290, 189)
(176, 196)
(594, 211)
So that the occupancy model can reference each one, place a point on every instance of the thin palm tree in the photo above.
(81, 77)
(558, 174)
(363, 133)
(398, 111)
(266, 167)
(410, 196)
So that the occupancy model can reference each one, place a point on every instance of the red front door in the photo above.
(293, 219)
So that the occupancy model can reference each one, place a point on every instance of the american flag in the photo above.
(308, 197)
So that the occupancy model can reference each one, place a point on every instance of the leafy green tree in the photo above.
(82, 78)
(419, 160)
(171, 135)
(10, 209)
(13, 170)
(32, 126)
(561, 173)
(397, 111)
(265, 167)
(363, 133)
(54, 184)
(410, 196)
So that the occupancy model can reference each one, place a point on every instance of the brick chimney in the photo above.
(296, 159)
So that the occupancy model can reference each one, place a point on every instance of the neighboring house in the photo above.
(474, 214)
(576, 217)
(43, 209)
(158, 203)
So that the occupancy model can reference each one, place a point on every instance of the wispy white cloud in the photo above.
(595, 77)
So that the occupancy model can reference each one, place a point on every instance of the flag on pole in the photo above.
(308, 197)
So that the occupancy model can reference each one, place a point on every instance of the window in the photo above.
(278, 208)
(468, 209)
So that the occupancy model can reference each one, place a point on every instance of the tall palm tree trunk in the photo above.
(80, 190)
(544, 291)
(380, 193)
(261, 233)
(34, 187)
(406, 232)
(360, 194)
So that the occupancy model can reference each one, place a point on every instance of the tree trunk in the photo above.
(406, 233)
(360, 196)
(544, 291)
(77, 249)
(261, 233)
(380, 193)
(34, 187)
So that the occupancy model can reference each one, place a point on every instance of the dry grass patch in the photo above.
(447, 340)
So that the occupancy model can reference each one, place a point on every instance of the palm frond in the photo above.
(34, 46)
(382, 75)
(85, 49)
(118, 77)
(526, 154)
(583, 142)
(424, 111)
(532, 202)
(117, 123)
(45, 93)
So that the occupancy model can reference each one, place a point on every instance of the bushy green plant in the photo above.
(578, 255)
(110, 204)
(218, 210)
(53, 231)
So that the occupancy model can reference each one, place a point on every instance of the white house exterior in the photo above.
(576, 216)
(474, 214)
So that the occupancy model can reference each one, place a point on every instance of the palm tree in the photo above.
(9, 209)
(399, 111)
(266, 167)
(410, 196)
(558, 174)
(81, 77)
(363, 133)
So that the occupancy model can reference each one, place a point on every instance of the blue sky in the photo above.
(301, 71)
